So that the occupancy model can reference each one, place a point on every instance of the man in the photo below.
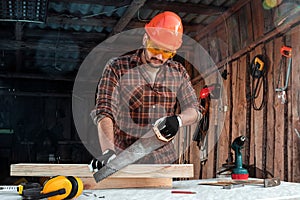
(144, 88)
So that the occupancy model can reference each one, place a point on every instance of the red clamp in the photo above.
(286, 51)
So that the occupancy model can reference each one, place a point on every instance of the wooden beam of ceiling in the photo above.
(49, 45)
(117, 3)
(237, 6)
(6, 44)
(200, 9)
(35, 34)
(128, 15)
(109, 22)
(102, 21)
(161, 5)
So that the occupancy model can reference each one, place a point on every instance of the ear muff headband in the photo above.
(74, 189)
(80, 187)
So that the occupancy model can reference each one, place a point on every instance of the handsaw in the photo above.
(149, 142)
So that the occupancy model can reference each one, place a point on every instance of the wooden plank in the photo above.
(128, 15)
(237, 88)
(257, 19)
(257, 124)
(222, 35)
(243, 25)
(238, 5)
(195, 151)
(109, 183)
(295, 83)
(224, 143)
(270, 146)
(279, 117)
(82, 170)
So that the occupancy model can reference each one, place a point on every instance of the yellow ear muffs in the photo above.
(61, 187)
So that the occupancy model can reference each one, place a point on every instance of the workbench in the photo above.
(286, 190)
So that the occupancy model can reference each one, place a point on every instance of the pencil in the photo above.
(182, 192)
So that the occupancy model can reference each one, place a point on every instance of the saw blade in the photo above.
(142, 147)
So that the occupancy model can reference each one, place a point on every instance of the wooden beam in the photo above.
(6, 44)
(35, 94)
(116, 3)
(132, 176)
(62, 35)
(191, 8)
(110, 22)
(82, 170)
(161, 5)
(36, 77)
(92, 21)
(109, 183)
(221, 19)
(128, 15)
(281, 29)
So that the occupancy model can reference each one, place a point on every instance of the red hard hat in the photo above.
(166, 30)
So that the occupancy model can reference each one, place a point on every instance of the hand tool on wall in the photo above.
(230, 184)
(238, 172)
(297, 122)
(286, 53)
(207, 93)
(203, 125)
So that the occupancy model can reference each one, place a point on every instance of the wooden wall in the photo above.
(273, 145)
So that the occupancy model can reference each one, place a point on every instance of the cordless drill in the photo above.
(239, 172)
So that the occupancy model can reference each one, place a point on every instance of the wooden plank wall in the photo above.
(273, 145)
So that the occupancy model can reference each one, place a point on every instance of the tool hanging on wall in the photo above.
(207, 93)
(286, 53)
(258, 69)
(200, 133)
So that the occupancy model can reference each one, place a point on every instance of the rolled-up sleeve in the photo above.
(106, 102)
(186, 94)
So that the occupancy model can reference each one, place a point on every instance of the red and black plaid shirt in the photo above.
(127, 95)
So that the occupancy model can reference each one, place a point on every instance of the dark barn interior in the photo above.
(44, 42)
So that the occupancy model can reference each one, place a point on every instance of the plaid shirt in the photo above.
(127, 95)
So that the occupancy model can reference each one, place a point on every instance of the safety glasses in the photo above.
(154, 49)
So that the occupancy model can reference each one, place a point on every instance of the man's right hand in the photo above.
(106, 157)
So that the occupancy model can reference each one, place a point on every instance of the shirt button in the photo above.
(153, 106)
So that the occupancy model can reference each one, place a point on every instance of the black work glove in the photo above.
(168, 126)
(105, 158)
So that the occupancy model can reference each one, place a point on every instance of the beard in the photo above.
(153, 61)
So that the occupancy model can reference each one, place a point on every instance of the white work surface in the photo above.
(286, 190)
